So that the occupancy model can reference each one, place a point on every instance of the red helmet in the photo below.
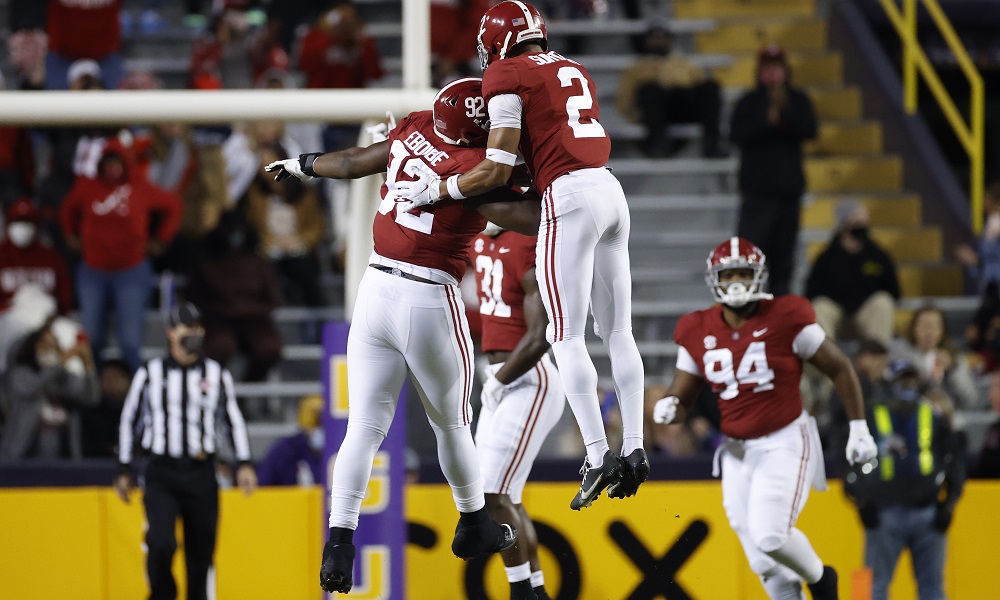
(460, 113)
(737, 253)
(506, 25)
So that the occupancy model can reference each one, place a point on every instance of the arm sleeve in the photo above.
(686, 363)
(808, 341)
(130, 416)
(505, 111)
(234, 418)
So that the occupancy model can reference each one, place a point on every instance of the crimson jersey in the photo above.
(755, 370)
(560, 131)
(501, 263)
(438, 236)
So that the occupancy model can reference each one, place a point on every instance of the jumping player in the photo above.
(522, 397)
(545, 105)
(749, 348)
(409, 317)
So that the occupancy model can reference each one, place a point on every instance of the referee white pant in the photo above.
(402, 327)
(510, 435)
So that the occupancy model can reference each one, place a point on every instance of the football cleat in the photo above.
(481, 539)
(635, 470)
(595, 479)
(826, 587)
(336, 574)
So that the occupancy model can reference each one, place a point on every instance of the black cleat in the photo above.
(826, 587)
(337, 571)
(595, 479)
(635, 470)
(487, 537)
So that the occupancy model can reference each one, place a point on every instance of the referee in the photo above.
(175, 410)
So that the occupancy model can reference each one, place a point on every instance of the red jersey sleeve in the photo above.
(502, 77)
(796, 312)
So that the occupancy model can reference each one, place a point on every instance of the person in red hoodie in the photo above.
(83, 29)
(25, 258)
(107, 219)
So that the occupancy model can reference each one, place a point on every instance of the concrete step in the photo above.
(904, 244)
(931, 280)
(737, 37)
(847, 137)
(742, 9)
(641, 176)
(810, 68)
(901, 210)
(836, 102)
(658, 213)
(851, 174)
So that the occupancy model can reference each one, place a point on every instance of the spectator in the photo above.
(29, 310)
(107, 219)
(237, 291)
(928, 346)
(336, 53)
(17, 162)
(289, 220)
(870, 363)
(989, 456)
(40, 396)
(769, 124)
(453, 24)
(25, 258)
(100, 423)
(907, 500)
(983, 334)
(297, 459)
(223, 53)
(28, 48)
(80, 30)
(983, 262)
(853, 281)
(662, 88)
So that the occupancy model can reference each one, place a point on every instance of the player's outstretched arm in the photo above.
(680, 396)
(833, 363)
(352, 163)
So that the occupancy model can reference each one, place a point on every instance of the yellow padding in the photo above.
(715, 9)
(863, 137)
(936, 280)
(808, 69)
(901, 210)
(732, 38)
(854, 174)
(836, 103)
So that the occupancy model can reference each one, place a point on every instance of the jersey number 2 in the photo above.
(492, 286)
(575, 104)
(753, 369)
(400, 159)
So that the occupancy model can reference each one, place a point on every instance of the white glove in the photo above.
(290, 166)
(426, 189)
(665, 410)
(861, 446)
(492, 392)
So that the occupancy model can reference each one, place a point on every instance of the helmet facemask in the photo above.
(738, 293)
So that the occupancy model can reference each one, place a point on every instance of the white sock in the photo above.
(537, 579)
(518, 573)
(627, 370)
(596, 450)
(798, 555)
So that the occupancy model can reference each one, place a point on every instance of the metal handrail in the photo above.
(971, 134)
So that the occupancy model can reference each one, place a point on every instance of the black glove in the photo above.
(869, 516)
(942, 518)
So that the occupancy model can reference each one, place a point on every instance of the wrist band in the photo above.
(453, 190)
(501, 156)
(306, 162)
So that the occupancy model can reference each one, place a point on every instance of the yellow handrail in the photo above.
(970, 135)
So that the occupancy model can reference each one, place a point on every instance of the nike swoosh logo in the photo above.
(760, 332)
(503, 250)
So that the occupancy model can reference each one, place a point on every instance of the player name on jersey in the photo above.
(420, 146)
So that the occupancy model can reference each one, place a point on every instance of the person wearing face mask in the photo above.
(906, 496)
(40, 398)
(107, 220)
(297, 459)
(176, 411)
(769, 124)
(662, 88)
(25, 258)
(852, 284)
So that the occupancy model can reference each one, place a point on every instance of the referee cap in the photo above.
(184, 313)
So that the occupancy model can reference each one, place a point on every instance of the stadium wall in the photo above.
(85, 543)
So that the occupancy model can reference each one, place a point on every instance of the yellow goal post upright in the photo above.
(138, 107)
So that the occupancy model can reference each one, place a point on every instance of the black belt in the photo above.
(400, 273)
(184, 462)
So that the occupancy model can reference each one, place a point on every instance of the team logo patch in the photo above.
(710, 342)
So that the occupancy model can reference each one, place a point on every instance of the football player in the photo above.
(749, 347)
(545, 105)
(409, 317)
(522, 398)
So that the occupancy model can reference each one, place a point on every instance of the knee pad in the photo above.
(770, 542)
(366, 428)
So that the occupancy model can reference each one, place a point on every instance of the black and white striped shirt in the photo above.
(178, 412)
